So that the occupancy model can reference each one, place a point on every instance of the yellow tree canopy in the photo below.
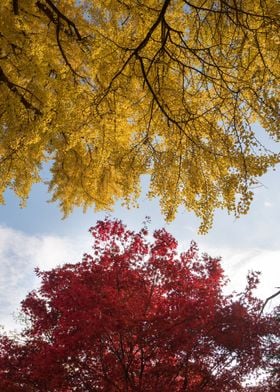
(110, 90)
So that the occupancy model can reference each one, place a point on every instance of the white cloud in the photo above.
(237, 263)
(20, 254)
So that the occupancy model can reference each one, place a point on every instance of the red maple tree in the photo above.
(137, 316)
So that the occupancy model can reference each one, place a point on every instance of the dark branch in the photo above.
(15, 89)
(15, 7)
(67, 20)
(269, 299)
(54, 14)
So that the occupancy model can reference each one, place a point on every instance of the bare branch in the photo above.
(269, 299)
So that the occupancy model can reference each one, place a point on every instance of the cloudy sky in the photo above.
(36, 236)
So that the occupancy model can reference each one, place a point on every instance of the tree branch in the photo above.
(54, 14)
(15, 7)
(14, 88)
(269, 299)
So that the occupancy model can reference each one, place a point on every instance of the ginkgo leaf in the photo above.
(169, 88)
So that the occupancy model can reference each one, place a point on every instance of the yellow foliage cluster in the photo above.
(111, 90)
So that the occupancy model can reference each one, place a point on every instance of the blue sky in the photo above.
(36, 236)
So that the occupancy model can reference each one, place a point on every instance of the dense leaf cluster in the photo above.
(112, 90)
(137, 316)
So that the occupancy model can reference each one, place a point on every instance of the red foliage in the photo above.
(136, 316)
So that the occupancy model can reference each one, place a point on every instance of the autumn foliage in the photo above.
(108, 91)
(137, 316)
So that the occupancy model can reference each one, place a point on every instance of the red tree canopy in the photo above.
(137, 316)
